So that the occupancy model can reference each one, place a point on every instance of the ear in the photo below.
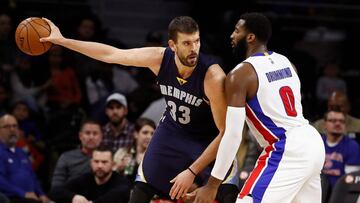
(136, 134)
(172, 45)
(250, 37)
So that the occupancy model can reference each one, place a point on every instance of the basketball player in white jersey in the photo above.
(264, 90)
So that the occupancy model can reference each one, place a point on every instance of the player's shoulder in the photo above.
(243, 69)
(215, 74)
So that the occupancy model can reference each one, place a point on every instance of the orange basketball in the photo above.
(28, 34)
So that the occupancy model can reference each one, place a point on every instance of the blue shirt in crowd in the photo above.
(346, 152)
(16, 175)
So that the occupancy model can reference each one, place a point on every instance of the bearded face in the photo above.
(101, 164)
(240, 49)
(187, 48)
(189, 60)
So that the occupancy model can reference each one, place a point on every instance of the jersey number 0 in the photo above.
(287, 97)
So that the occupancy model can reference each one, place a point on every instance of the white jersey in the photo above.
(276, 107)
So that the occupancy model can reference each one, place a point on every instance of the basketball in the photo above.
(28, 34)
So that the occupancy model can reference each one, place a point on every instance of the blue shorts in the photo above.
(168, 154)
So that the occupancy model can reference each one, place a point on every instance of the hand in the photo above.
(44, 199)
(189, 197)
(79, 199)
(55, 35)
(31, 195)
(182, 183)
(205, 194)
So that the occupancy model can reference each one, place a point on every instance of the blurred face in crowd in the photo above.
(86, 29)
(101, 164)
(3, 95)
(144, 136)
(21, 112)
(116, 112)
(339, 101)
(5, 26)
(90, 136)
(335, 123)
(9, 130)
(187, 48)
(55, 55)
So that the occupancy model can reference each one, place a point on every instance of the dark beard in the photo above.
(239, 51)
(116, 123)
(185, 63)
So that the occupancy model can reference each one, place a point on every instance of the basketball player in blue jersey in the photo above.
(189, 132)
(264, 90)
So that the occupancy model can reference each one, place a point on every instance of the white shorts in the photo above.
(288, 170)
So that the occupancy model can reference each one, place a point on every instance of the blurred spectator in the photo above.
(101, 185)
(155, 110)
(148, 90)
(24, 84)
(99, 84)
(118, 132)
(347, 189)
(329, 82)
(339, 101)
(128, 163)
(123, 80)
(30, 139)
(342, 152)
(63, 113)
(4, 99)
(63, 91)
(7, 47)
(17, 179)
(88, 28)
(74, 163)
(27, 124)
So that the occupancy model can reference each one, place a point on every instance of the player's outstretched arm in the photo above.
(214, 90)
(150, 57)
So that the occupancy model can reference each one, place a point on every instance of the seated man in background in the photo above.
(76, 162)
(17, 178)
(342, 152)
(101, 185)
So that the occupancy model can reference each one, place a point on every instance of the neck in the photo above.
(184, 71)
(119, 127)
(256, 49)
(86, 151)
(140, 149)
(333, 138)
(101, 181)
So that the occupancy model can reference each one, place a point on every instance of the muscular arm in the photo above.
(240, 84)
(150, 57)
(215, 91)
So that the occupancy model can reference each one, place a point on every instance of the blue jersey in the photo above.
(188, 111)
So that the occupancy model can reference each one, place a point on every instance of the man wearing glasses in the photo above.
(342, 152)
(17, 179)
